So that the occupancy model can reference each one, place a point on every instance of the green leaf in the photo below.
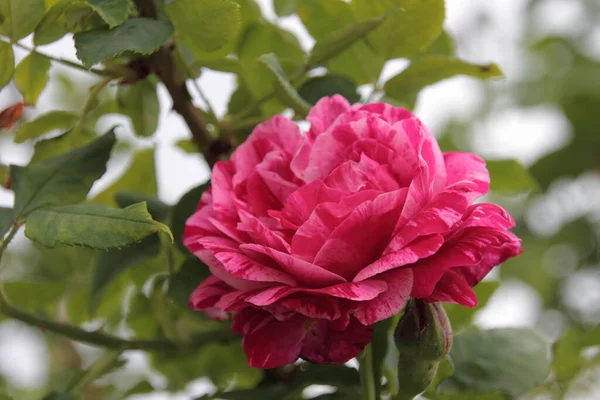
(283, 8)
(204, 25)
(45, 123)
(4, 176)
(416, 24)
(358, 62)
(31, 76)
(140, 318)
(272, 392)
(7, 63)
(18, 18)
(74, 138)
(140, 103)
(285, 91)
(92, 225)
(183, 282)
(159, 210)
(61, 396)
(315, 88)
(114, 262)
(567, 360)
(509, 176)
(114, 12)
(140, 178)
(263, 38)
(187, 145)
(591, 338)
(219, 64)
(460, 316)
(54, 23)
(444, 45)
(139, 35)
(6, 220)
(338, 41)
(62, 180)
(184, 208)
(225, 365)
(509, 360)
(428, 70)
(140, 387)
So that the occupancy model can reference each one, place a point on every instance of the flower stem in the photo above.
(367, 378)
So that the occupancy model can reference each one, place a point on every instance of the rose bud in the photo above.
(423, 338)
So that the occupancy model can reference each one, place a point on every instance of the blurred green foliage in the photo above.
(135, 294)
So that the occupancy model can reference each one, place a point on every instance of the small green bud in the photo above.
(423, 338)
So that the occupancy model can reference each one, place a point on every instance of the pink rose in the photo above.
(312, 239)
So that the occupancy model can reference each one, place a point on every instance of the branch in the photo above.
(72, 332)
(164, 66)
(110, 341)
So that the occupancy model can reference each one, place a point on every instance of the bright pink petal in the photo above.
(428, 272)
(357, 291)
(388, 112)
(324, 113)
(453, 288)
(313, 306)
(325, 345)
(418, 249)
(208, 293)
(362, 236)
(260, 233)
(467, 167)
(311, 274)
(300, 204)
(390, 302)
(242, 266)
(222, 189)
(438, 216)
(275, 343)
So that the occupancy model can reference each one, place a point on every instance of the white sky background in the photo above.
(525, 134)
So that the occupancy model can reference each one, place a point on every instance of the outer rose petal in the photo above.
(324, 113)
(325, 345)
(453, 288)
(467, 167)
(274, 343)
(388, 112)
(389, 303)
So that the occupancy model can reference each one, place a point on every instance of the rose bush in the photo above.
(313, 238)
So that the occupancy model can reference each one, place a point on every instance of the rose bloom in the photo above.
(313, 238)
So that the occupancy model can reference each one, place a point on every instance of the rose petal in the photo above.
(274, 343)
(453, 288)
(467, 167)
(242, 266)
(362, 236)
(390, 302)
(388, 112)
(311, 274)
(418, 249)
(324, 113)
(325, 345)
(208, 293)
(357, 291)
